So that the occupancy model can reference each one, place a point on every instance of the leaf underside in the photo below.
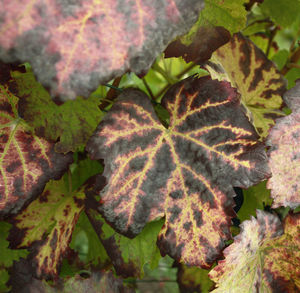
(27, 162)
(75, 46)
(185, 172)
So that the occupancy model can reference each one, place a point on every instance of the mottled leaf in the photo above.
(193, 280)
(231, 14)
(27, 162)
(185, 172)
(263, 258)
(284, 161)
(199, 46)
(72, 123)
(127, 255)
(73, 46)
(46, 226)
(255, 197)
(98, 282)
(256, 78)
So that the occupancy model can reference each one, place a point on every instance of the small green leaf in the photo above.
(255, 197)
(128, 255)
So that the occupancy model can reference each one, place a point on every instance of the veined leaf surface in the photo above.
(47, 225)
(185, 172)
(284, 141)
(27, 162)
(74, 46)
(256, 78)
(265, 257)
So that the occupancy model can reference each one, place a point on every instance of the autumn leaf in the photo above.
(199, 45)
(27, 162)
(185, 172)
(127, 255)
(72, 123)
(256, 78)
(46, 226)
(265, 257)
(285, 154)
(75, 46)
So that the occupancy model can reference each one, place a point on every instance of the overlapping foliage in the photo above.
(95, 190)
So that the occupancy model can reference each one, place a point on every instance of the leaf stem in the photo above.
(112, 93)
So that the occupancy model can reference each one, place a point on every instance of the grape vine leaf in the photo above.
(285, 154)
(75, 46)
(185, 172)
(193, 279)
(198, 46)
(230, 14)
(262, 258)
(72, 123)
(46, 226)
(282, 12)
(127, 255)
(27, 162)
(256, 78)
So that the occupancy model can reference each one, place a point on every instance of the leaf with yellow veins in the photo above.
(185, 173)
(46, 225)
(259, 82)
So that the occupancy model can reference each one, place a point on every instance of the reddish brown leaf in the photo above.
(200, 46)
(185, 172)
(27, 162)
(74, 46)
(265, 257)
(284, 162)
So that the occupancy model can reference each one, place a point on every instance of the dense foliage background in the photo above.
(136, 137)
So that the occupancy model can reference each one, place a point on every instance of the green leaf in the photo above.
(255, 197)
(7, 256)
(128, 255)
(282, 12)
(72, 123)
(86, 242)
(193, 279)
(46, 226)
(231, 14)
(185, 173)
(4, 277)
